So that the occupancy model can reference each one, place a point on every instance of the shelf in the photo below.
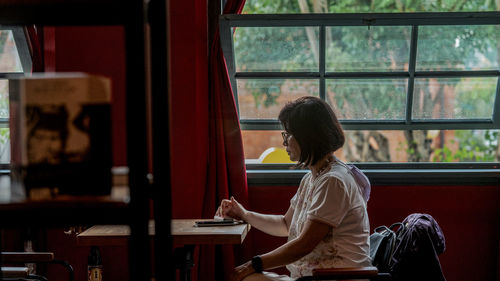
(65, 211)
(63, 12)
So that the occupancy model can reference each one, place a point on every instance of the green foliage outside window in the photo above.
(385, 48)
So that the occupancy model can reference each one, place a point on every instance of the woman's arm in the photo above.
(313, 233)
(289, 252)
(276, 225)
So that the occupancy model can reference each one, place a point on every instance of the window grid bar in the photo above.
(19, 34)
(451, 74)
(4, 123)
(364, 75)
(496, 114)
(364, 19)
(322, 62)
(227, 45)
(276, 75)
(385, 125)
(8, 75)
(411, 70)
(392, 121)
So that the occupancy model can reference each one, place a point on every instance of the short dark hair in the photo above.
(314, 125)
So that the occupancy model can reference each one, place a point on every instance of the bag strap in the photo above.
(382, 228)
(401, 227)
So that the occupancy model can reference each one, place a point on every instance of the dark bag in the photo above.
(382, 245)
(416, 254)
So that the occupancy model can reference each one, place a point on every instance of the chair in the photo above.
(22, 272)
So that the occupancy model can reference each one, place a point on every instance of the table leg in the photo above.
(184, 261)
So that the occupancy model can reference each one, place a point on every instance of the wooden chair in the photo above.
(22, 272)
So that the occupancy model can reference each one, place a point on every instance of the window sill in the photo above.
(461, 174)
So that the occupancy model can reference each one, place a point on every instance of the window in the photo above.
(407, 87)
(15, 61)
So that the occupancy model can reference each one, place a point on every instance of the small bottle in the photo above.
(95, 265)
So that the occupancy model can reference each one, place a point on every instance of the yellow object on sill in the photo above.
(275, 155)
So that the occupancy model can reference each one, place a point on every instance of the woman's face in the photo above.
(292, 146)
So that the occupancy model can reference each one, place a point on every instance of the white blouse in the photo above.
(333, 198)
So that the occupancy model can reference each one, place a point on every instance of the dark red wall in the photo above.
(98, 50)
(468, 215)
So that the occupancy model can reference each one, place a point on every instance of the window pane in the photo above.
(4, 98)
(255, 143)
(9, 58)
(276, 49)
(368, 99)
(4, 146)
(264, 98)
(458, 47)
(454, 98)
(394, 146)
(359, 49)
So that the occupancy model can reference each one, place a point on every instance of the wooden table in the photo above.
(184, 232)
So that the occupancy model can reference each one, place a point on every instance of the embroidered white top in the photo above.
(333, 198)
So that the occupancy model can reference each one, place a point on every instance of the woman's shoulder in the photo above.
(335, 176)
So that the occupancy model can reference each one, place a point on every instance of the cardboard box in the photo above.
(60, 128)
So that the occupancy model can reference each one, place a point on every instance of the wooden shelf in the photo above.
(65, 211)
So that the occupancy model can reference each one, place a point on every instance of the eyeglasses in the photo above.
(285, 136)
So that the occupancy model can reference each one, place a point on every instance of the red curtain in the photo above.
(35, 44)
(226, 168)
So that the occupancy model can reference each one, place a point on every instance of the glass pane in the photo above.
(454, 98)
(458, 48)
(276, 48)
(359, 49)
(264, 98)
(392, 146)
(4, 145)
(4, 98)
(9, 58)
(259, 145)
(368, 99)
(421, 146)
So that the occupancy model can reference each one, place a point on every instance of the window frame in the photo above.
(443, 174)
(479, 173)
(20, 36)
(230, 21)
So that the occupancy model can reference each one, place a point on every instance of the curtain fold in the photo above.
(34, 35)
(226, 168)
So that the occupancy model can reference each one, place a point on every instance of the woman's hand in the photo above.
(242, 271)
(231, 209)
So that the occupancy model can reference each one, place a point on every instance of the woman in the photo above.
(326, 223)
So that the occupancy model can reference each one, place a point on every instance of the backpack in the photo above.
(416, 254)
(383, 242)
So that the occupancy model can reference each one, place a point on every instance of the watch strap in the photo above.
(257, 264)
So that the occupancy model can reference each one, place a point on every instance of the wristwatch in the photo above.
(257, 264)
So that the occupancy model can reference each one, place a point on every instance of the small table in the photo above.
(184, 232)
